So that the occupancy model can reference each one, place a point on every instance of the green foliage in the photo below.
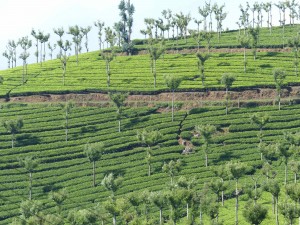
(172, 82)
(94, 151)
(255, 214)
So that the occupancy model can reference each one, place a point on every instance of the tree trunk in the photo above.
(12, 140)
(94, 173)
(226, 94)
(160, 215)
(187, 210)
(276, 204)
(206, 160)
(108, 73)
(222, 194)
(114, 220)
(30, 185)
(279, 104)
(172, 105)
(23, 77)
(154, 72)
(119, 125)
(245, 60)
(149, 169)
(66, 129)
(236, 203)
(41, 55)
(285, 174)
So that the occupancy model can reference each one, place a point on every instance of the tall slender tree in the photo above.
(294, 44)
(51, 48)
(59, 197)
(255, 214)
(227, 80)
(173, 83)
(13, 127)
(93, 152)
(67, 110)
(149, 138)
(172, 168)
(77, 38)
(100, 26)
(126, 13)
(236, 170)
(108, 56)
(202, 58)
(85, 31)
(119, 101)
(60, 32)
(272, 186)
(206, 132)
(220, 16)
(159, 199)
(7, 55)
(155, 51)
(244, 41)
(64, 58)
(25, 44)
(13, 46)
(279, 77)
(30, 164)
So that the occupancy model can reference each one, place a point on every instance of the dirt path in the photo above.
(247, 95)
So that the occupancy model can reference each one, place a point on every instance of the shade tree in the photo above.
(272, 186)
(150, 139)
(279, 76)
(236, 170)
(85, 31)
(202, 58)
(294, 44)
(160, 200)
(173, 84)
(255, 214)
(155, 52)
(126, 13)
(100, 25)
(227, 80)
(68, 107)
(118, 100)
(64, 58)
(206, 132)
(93, 152)
(60, 32)
(172, 168)
(51, 48)
(108, 56)
(13, 127)
(59, 197)
(25, 44)
(77, 39)
(30, 164)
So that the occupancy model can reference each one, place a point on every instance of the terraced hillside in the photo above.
(133, 73)
(63, 164)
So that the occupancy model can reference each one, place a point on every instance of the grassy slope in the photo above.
(133, 73)
(64, 164)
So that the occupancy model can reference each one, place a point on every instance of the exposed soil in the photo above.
(255, 94)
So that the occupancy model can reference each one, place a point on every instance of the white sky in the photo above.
(18, 17)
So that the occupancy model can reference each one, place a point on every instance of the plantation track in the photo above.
(263, 94)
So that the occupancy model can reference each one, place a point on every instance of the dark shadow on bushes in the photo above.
(27, 139)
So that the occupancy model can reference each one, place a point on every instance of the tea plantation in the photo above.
(57, 139)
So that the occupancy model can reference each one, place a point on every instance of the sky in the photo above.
(19, 17)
